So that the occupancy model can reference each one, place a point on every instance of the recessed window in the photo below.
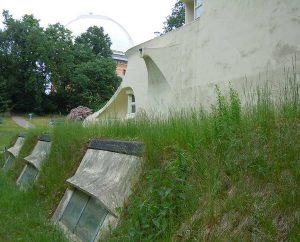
(197, 8)
(7, 161)
(83, 216)
(133, 109)
(28, 176)
(11, 153)
(131, 104)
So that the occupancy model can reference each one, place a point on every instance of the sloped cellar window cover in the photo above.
(83, 216)
(11, 153)
(34, 161)
(101, 185)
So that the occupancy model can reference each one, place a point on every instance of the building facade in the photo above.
(243, 41)
(121, 62)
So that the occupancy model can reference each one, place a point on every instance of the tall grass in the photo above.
(229, 174)
(8, 134)
(22, 217)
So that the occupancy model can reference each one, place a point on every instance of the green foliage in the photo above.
(96, 40)
(237, 173)
(25, 53)
(61, 66)
(94, 82)
(32, 58)
(5, 102)
(23, 219)
(227, 113)
(177, 17)
(161, 204)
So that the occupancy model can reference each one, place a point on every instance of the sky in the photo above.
(141, 18)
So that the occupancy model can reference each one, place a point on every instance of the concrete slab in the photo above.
(34, 162)
(41, 149)
(11, 153)
(17, 146)
(106, 176)
(118, 146)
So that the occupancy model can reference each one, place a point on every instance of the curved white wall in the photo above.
(231, 40)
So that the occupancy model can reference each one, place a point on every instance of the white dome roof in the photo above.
(121, 40)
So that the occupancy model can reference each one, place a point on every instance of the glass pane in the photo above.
(8, 162)
(133, 109)
(197, 3)
(91, 220)
(132, 98)
(197, 12)
(74, 209)
(28, 176)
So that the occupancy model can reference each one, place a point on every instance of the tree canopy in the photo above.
(176, 19)
(46, 70)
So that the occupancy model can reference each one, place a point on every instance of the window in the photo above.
(28, 176)
(197, 8)
(83, 216)
(131, 104)
(7, 161)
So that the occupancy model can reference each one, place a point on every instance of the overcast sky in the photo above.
(141, 18)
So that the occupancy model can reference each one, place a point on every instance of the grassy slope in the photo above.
(232, 176)
(22, 218)
(227, 175)
(8, 132)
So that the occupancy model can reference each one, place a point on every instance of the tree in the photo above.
(176, 19)
(94, 82)
(32, 58)
(4, 95)
(94, 78)
(24, 66)
(60, 65)
(5, 103)
(96, 40)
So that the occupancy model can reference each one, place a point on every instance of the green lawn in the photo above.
(43, 121)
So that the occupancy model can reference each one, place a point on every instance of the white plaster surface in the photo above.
(17, 147)
(38, 154)
(230, 41)
(106, 176)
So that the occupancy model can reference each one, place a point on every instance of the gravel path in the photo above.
(22, 122)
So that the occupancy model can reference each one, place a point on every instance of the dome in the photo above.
(121, 40)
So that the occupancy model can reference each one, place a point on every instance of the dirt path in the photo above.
(22, 122)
